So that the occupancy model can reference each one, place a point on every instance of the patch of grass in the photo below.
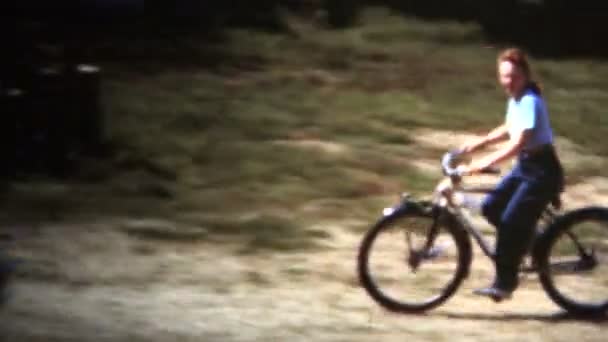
(268, 237)
(205, 134)
(384, 27)
(582, 170)
(167, 234)
(257, 278)
(297, 272)
(145, 249)
(132, 194)
(262, 233)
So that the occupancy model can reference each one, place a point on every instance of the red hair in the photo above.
(520, 60)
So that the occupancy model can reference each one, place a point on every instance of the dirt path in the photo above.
(121, 288)
(109, 285)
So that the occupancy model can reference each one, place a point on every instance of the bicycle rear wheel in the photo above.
(572, 257)
(390, 250)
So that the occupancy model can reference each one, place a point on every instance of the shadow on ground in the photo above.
(556, 317)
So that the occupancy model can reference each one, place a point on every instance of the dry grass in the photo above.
(155, 280)
(106, 289)
(237, 196)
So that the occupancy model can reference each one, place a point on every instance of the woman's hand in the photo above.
(463, 170)
(467, 148)
(473, 168)
(499, 133)
(473, 146)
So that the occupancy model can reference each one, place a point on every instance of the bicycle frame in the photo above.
(445, 196)
(440, 230)
(444, 199)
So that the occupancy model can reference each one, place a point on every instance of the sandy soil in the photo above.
(108, 285)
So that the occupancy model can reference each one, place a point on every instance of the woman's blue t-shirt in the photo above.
(529, 112)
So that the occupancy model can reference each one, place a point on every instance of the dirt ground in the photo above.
(109, 285)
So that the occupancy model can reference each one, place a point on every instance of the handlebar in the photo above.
(450, 161)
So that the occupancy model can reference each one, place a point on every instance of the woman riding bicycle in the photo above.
(517, 202)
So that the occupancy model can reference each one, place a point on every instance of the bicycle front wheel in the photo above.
(572, 257)
(390, 250)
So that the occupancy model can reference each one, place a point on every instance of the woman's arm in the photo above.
(499, 133)
(509, 150)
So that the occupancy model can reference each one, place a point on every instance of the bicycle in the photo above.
(566, 252)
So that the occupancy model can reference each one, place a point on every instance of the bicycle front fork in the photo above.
(428, 251)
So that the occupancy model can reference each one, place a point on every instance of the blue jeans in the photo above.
(515, 206)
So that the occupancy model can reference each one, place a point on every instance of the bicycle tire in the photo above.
(378, 294)
(545, 251)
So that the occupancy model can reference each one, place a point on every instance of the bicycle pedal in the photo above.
(433, 253)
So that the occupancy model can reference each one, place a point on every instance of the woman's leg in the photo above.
(492, 209)
(516, 230)
(496, 201)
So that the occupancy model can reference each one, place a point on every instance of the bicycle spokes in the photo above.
(413, 258)
(581, 250)
(428, 251)
(402, 270)
(578, 263)
(586, 261)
